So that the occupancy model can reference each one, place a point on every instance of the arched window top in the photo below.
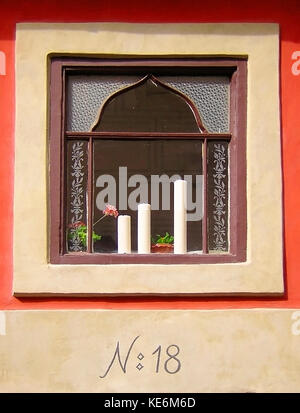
(149, 106)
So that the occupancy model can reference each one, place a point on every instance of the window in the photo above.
(108, 48)
(119, 127)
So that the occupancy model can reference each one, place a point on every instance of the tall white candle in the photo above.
(180, 225)
(124, 234)
(144, 229)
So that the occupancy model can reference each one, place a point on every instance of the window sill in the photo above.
(186, 259)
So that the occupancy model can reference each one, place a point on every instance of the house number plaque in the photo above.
(165, 358)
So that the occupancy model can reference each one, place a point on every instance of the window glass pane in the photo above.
(86, 94)
(217, 196)
(76, 210)
(148, 160)
(210, 95)
(147, 107)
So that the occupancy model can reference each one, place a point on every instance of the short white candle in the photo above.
(180, 224)
(144, 228)
(124, 234)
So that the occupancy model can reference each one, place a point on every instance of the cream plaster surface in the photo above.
(219, 351)
(262, 272)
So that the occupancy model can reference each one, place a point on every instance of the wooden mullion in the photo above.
(63, 177)
(147, 135)
(204, 219)
(90, 197)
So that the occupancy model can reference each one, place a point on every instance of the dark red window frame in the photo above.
(236, 68)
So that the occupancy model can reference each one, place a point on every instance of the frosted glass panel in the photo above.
(210, 94)
(217, 196)
(86, 94)
(76, 231)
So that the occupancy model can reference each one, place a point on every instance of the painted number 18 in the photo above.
(172, 364)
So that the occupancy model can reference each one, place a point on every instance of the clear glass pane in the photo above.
(76, 209)
(147, 107)
(86, 95)
(148, 160)
(217, 196)
(210, 95)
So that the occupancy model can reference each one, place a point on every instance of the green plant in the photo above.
(166, 239)
(79, 231)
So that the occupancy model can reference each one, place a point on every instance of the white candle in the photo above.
(180, 226)
(124, 234)
(144, 229)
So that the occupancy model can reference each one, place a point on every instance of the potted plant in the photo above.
(163, 244)
(77, 234)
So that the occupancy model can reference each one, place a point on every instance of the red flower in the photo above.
(76, 224)
(110, 210)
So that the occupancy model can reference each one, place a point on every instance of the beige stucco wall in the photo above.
(219, 351)
(262, 272)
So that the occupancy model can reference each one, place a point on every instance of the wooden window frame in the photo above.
(236, 68)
